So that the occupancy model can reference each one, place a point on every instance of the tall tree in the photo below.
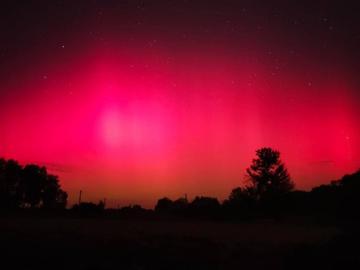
(268, 176)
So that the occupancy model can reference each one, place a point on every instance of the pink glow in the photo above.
(133, 128)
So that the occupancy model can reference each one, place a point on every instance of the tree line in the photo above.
(267, 184)
(29, 186)
(268, 190)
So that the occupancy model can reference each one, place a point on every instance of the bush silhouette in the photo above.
(241, 201)
(164, 205)
(88, 209)
(204, 206)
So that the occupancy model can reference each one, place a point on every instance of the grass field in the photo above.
(68, 243)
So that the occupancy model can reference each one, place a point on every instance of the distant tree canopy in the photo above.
(268, 176)
(240, 199)
(200, 206)
(89, 208)
(207, 206)
(29, 186)
(164, 205)
(268, 192)
(341, 196)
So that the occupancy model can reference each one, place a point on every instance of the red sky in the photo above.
(136, 119)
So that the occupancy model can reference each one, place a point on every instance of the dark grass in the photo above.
(71, 243)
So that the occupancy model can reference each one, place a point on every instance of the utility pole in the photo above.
(80, 193)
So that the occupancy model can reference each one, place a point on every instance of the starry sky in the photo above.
(136, 100)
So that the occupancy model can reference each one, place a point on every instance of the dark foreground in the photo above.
(69, 243)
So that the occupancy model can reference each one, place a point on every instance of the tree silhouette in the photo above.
(89, 208)
(241, 200)
(340, 197)
(205, 206)
(268, 176)
(10, 189)
(34, 180)
(164, 205)
(52, 195)
(180, 205)
(240, 195)
(29, 186)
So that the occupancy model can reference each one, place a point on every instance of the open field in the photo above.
(64, 243)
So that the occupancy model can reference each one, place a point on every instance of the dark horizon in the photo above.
(45, 189)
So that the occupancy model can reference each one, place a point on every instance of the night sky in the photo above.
(136, 100)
